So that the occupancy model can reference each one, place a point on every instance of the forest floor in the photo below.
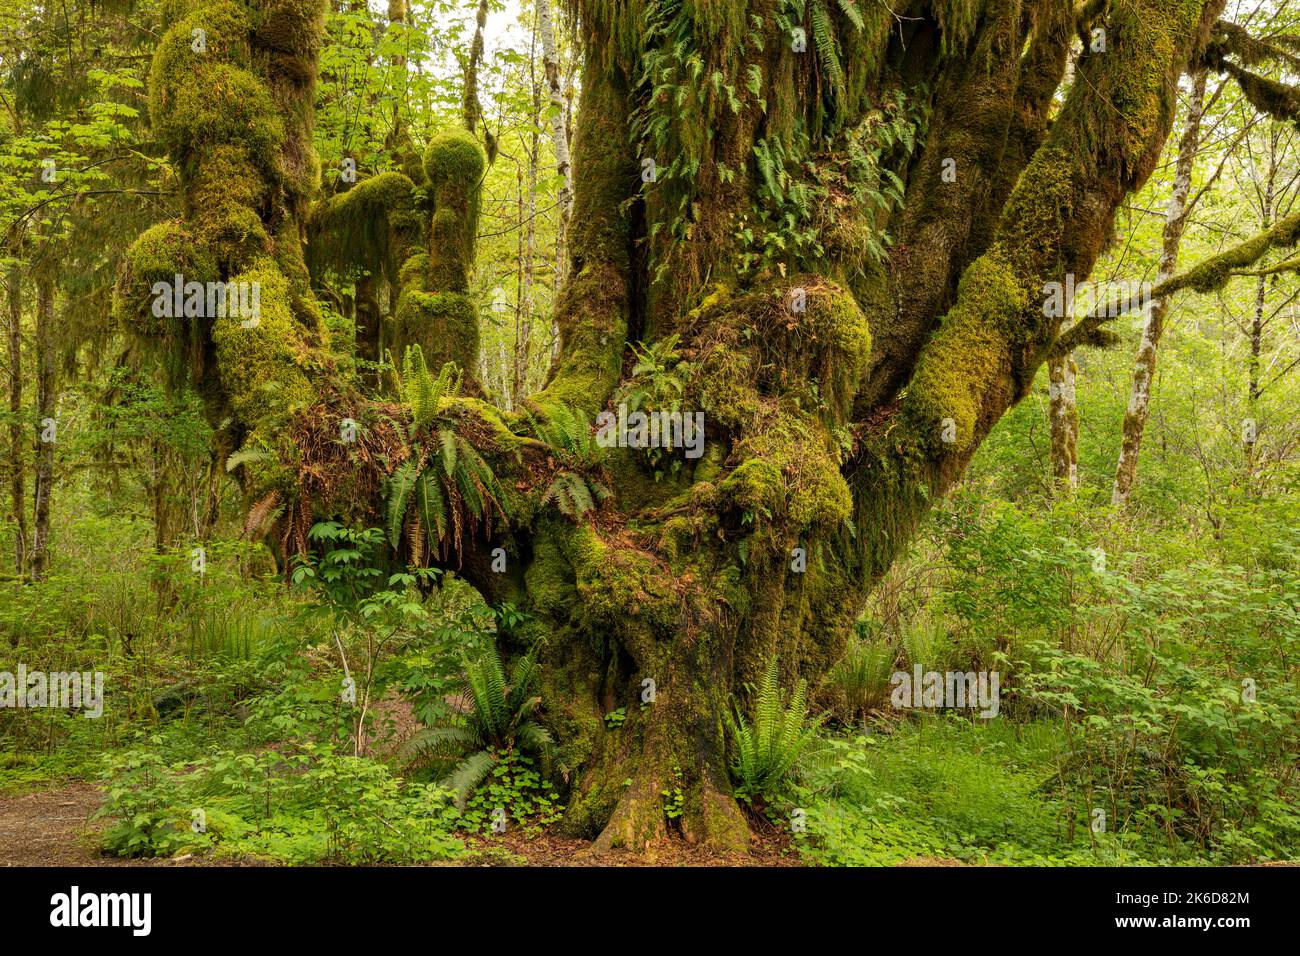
(42, 827)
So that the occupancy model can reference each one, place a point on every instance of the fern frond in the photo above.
(823, 29)
(473, 770)
(415, 537)
(534, 737)
(245, 456)
(437, 743)
(447, 439)
(430, 504)
(260, 513)
(400, 486)
(852, 13)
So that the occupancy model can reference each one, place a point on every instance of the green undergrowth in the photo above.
(944, 788)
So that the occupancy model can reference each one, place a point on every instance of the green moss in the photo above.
(291, 26)
(591, 314)
(1214, 272)
(945, 398)
(262, 367)
(414, 270)
(755, 486)
(199, 99)
(455, 164)
(549, 579)
(372, 226)
(1033, 220)
(160, 253)
(443, 324)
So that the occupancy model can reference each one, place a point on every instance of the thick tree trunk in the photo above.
(1144, 366)
(821, 453)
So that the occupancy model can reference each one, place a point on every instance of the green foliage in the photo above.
(820, 17)
(427, 396)
(674, 799)
(766, 751)
(513, 785)
(444, 488)
(579, 482)
(815, 208)
(859, 683)
(497, 717)
(659, 375)
(946, 788)
(657, 383)
(309, 806)
(1177, 750)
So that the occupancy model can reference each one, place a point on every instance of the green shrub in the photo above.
(498, 718)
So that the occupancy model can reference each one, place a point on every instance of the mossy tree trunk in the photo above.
(732, 173)
(833, 424)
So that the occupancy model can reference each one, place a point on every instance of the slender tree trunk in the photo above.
(558, 113)
(17, 460)
(1064, 418)
(1250, 429)
(471, 107)
(527, 254)
(47, 426)
(1144, 366)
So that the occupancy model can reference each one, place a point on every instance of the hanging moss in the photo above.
(373, 226)
(158, 255)
(1273, 98)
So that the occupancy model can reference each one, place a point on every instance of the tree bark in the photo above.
(17, 439)
(558, 111)
(47, 425)
(1064, 418)
(471, 106)
(1144, 366)
(527, 258)
(1256, 336)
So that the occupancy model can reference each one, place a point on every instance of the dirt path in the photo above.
(51, 828)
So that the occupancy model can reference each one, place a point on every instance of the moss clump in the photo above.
(159, 254)
(455, 164)
(291, 26)
(443, 324)
(755, 486)
(372, 226)
(1214, 272)
(945, 399)
(202, 99)
(788, 476)
(262, 372)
